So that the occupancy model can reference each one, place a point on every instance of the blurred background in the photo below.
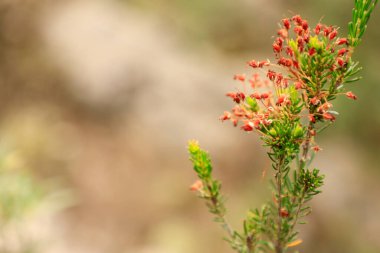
(97, 102)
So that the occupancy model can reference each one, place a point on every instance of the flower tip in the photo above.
(193, 146)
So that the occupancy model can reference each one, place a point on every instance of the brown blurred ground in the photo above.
(102, 96)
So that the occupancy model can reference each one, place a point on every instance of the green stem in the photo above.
(279, 246)
(306, 146)
(220, 212)
(300, 204)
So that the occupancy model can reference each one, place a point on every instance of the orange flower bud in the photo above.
(196, 186)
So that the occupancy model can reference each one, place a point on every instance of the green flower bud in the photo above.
(252, 104)
(272, 132)
(298, 132)
(314, 42)
(193, 146)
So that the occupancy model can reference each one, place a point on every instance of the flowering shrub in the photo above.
(288, 109)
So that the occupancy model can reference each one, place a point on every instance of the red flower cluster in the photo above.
(255, 110)
(295, 43)
(306, 41)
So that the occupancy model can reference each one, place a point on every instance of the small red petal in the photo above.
(286, 23)
(342, 41)
(333, 34)
(226, 115)
(311, 118)
(351, 95)
(328, 116)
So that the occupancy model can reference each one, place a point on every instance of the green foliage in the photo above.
(201, 161)
(19, 194)
(209, 190)
(361, 14)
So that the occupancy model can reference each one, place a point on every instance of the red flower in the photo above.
(279, 41)
(286, 23)
(300, 43)
(311, 118)
(327, 30)
(295, 64)
(298, 30)
(226, 115)
(240, 77)
(318, 28)
(328, 116)
(276, 48)
(285, 62)
(305, 25)
(289, 51)
(298, 85)
(248, 126)
(351, 95)
(253, 64)
(271, 75)
(342, 51)
(315, 101)
(255, 95)
(316, 148)
(297, 19)
(238, 111)
(279, 78)
(324, 107)
(341, 62)
(234, 122)
(263, 63)
(281, 99)
(342, 41)
(312, 51)
(283, 33)
(237, 97)
(333, 34)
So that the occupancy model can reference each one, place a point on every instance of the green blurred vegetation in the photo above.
(20, 195)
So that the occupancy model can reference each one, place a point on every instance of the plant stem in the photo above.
(220, 212)
(306, 146)
(279, 246)
(249, 244)
(300, 203)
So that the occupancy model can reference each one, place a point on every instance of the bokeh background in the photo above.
(98, 99)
